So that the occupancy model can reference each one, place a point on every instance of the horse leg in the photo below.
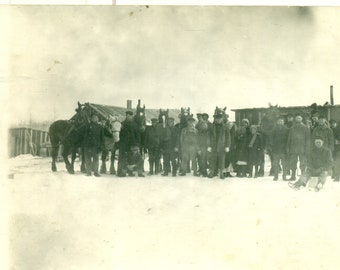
(112, 161)
(74, 155)
(82, 165)
(65, 153)
(103, 166)
(55, 148)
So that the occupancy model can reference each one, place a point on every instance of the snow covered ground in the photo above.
(62, 221)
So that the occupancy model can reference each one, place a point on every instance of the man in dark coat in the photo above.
(298, 145)
(93, 144)
(325, 132)
(128, 137)
(152, 144)
(170, 146)
(203, 137)
(218, 146)
(319, 165)
(278, 142)
(256, 150)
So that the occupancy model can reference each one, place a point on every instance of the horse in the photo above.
(68, 134)
(183, 117)
(111, 144)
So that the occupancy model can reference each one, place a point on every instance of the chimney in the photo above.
(129, 104)
(331, 94)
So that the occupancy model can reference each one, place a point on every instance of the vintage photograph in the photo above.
(172, 137)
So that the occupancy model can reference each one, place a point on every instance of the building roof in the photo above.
(108, 110)
(290, 107)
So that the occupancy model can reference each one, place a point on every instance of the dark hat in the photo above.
(298, 114)
(319, 138)
(191, 119)
(332, 121)
(289, 115)
(154, 120)
(205, 114)
(198, 114)
(129, 112)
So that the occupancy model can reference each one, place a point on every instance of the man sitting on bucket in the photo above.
(319, 165)
(135, 162)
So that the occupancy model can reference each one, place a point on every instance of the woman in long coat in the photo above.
(242, 149)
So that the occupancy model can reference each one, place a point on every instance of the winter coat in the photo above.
(320, 158)
(189, 138)
(298, 139)
(94, 136)
(203, 133)
(278, 139)
(129, 135)
(152, 138)
(256, 150)
(327, 134)
(241, 143)
(219, 137)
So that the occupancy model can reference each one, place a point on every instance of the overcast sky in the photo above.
(169, 57)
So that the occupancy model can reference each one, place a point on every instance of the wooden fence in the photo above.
(28, 141)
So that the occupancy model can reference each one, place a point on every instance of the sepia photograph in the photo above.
(171, 137)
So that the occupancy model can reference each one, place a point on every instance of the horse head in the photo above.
(163, 116)
(219, 111)
(184, 116)
(139, 117)
(81, 118)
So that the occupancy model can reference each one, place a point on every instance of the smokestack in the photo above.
(331, 93)
(129, 104)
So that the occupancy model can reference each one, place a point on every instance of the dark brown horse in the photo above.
(68, 134)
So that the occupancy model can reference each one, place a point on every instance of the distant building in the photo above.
(256, 115)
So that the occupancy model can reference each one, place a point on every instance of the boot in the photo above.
(151, 168)
(293, 177)
(211, 174)
(103, 168)
(221, 175)
(276, 177)
(228, 174)
(112, 169)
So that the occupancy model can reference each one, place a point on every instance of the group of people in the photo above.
(219, 148)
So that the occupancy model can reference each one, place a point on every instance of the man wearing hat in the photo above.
(203, 126)
(319, 165)
(290, 120)
(128, 137)
(298, 145)
(189, 147)
(93, 144)
(152, 145)
(169, 147)
(218, 145)
(277, 144)
(336, 152)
